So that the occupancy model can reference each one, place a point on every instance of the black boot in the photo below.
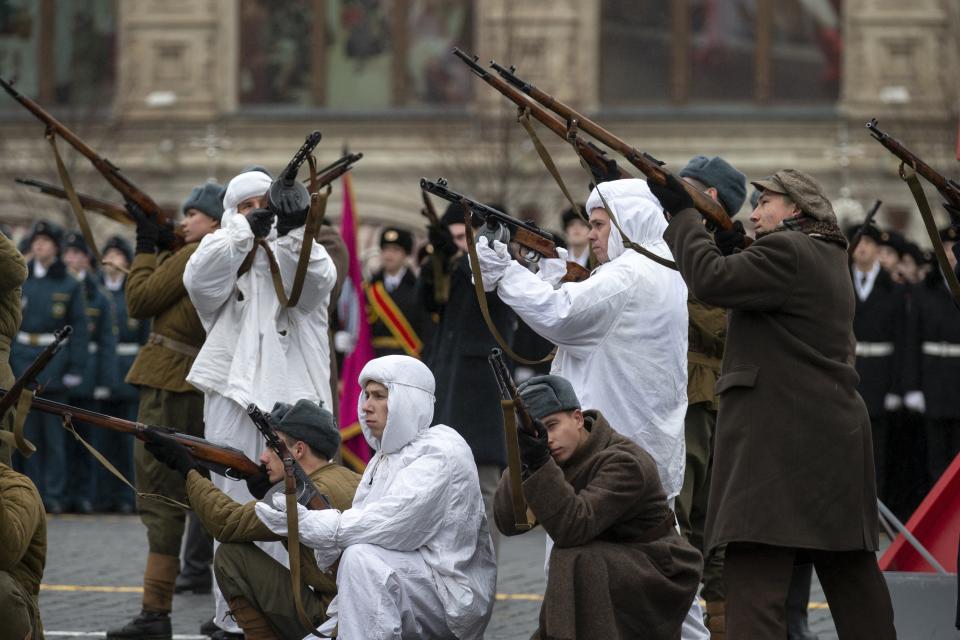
(798, 601)
(148, 625)
(195, 573)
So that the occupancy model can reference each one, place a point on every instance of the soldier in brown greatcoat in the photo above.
(23, 553)
(618, 568)
(793, 471)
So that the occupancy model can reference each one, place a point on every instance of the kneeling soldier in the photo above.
(255, 585)
(618, 568)
(23, 528)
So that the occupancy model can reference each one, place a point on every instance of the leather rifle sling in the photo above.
(15, 437)
(73, 199)
(293, 550)
(910, 177)
(315, 215)
(521, 519)
(482, 297)
(523, 117)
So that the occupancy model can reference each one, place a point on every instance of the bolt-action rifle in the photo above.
(113, 211)
(652, 168)
(106, 168)
(535, 241)
(948, 188)
(220, 459)
(28, 381)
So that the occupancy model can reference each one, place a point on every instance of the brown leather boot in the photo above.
(716, 620)
(254, 625)
(158, 581)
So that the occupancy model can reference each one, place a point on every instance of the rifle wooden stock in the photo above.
(293, 472)
(593, 155)
(221, 459)
(113, 211)
(106, 168)
(649, 166)
(949, 189)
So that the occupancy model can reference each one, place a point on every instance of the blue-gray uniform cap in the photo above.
(546, 395)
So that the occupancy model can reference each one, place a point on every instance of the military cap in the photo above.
(569, 216)
(546, 395)
(207, 198)
(893, 239)
(731, 185)
(121, 245)
(399, 237)
(869, 231)
(913, 250)
(803, 190)
(44, 228)
(309, 422)
(949, 234)
(75, 240)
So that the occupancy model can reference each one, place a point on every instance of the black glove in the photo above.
(173, 454)
(259, 483)
(147, 229)
(730, 240)
(166, 237)
(287, 222)
(534, 452)
(672, 196)
(606, 173)
(441, 240)
(260, 222)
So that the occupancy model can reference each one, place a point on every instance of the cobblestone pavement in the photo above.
(95, 565)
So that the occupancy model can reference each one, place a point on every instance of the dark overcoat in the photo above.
(793, 462)
(933, 362)
(880, 321)
(467, 396)
(618, 568)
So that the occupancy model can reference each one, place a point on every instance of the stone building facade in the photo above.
(178, 91)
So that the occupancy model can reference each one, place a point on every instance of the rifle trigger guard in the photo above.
(573, 130)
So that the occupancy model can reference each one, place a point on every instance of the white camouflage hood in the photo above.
(637, 211)
(410, 400)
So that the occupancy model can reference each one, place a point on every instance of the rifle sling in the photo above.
(74, 200)
(482, 298)
(68, 425)
(15, 437)
(523, 117)
(521, 520)
(910, 177)
(315, 215)
(293, 550)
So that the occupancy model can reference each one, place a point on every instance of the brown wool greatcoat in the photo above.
(23, 546)
(793, 463)
(618, 568)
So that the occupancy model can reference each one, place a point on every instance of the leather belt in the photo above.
(35, 339)
(128, 348)
(874, 349)
(941, 349)
(173, 345)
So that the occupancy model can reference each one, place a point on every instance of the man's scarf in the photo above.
(817, 229)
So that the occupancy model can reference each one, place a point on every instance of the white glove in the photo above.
(326, 556)
(343, 341)
(101, 393)
(493, 262)
(892, 402)
(553, 270)
(318, 529)
(71, 380)
(915, 401)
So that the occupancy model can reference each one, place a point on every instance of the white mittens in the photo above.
(553, 270)
(915, 401)
(892, 402)
(318, 529)
(493, 262)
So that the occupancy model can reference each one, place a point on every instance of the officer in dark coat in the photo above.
(397, 317)
(934, 365)
(51, 299)
(793, 478)
(879, 325)
(122, 398)
(467, 395)
(99, 374)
